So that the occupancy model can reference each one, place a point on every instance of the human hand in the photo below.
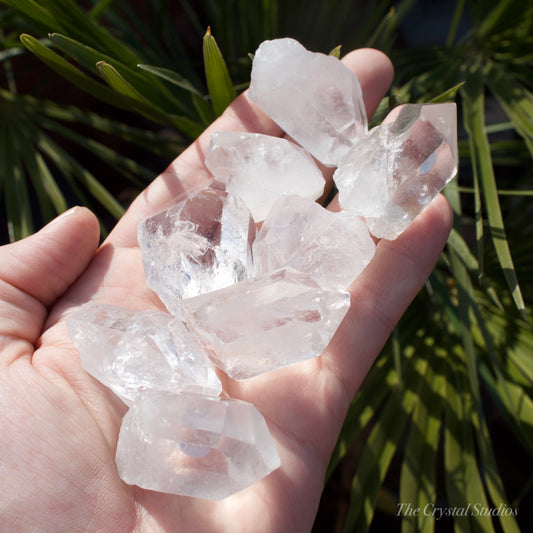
(59, 426)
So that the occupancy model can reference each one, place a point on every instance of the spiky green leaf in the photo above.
(218, 79)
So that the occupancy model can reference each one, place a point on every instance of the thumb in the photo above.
(36, 271)
(45, 264)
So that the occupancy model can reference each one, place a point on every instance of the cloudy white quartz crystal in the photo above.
(194, 445)
(133, 351)
(262, 324)
(199, 245)
(333, 248)
(393, 174)
(313, 97)
(261, 168)
(251, 313)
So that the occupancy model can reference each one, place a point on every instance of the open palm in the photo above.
(59, 426)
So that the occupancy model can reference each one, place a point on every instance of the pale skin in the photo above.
(59, 427)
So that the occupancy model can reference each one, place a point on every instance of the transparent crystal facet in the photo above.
(314, 97)
(132, 351)
(192, 445)
(265, 323)
(260, 169)
(200, 245)
(331, 247)
(252, 310)
(395, 172)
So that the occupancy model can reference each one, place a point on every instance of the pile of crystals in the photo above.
(246, 301)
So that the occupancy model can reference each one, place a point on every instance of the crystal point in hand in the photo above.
(261, 168)
(131, 351)
(193, 445)
(313, 97)
(332, 247)
(200, 245)
(396, 171)
(265, 323)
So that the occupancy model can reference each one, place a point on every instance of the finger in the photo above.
(383, 291)
(36, 271)
(308, 401)
(374, 71)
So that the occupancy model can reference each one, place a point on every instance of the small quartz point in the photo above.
(193, 445)
(131, 351)
(332, 247)
(260, 169)
(313, 97)
(393, 174)
(265, 323)
(200, 245)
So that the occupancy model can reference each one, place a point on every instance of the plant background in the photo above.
(446, 415)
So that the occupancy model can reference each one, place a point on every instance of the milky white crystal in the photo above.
(194, 445)
(132, 351)
(249, 309)
(332, 247)
(261, 168)
(265, 323)
(200, 245)
(395, 172)
(313, 97)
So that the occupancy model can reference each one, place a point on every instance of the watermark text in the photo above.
(438, 512)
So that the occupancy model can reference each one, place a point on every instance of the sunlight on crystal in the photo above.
(200, 245)
(198, 446)
(395, 172)
(294, 318)
(248, 302)
(261, 169)
(313, 97)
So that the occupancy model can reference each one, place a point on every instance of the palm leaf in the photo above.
(418, 473)
(482, 168)
(145, 84)
(172, 77)
(218, 79)
(73, 74)
(142, 105)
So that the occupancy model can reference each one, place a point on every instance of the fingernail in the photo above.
(63, 215)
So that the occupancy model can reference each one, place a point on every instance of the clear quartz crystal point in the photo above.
(132, 351)
(261, 168)
(395, 172)
(313, 97)
(265, 323)
(193, 445)
(332, 247)
(200, 245)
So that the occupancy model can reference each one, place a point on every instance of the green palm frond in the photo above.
(465, 353)
(37, 168)
(216, 72)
